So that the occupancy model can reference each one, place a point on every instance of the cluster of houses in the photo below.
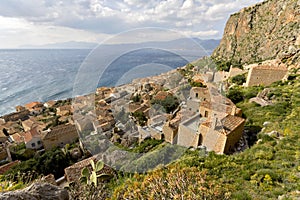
(29, 125)
(204, 117)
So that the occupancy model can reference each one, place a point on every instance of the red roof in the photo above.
(32, 105)
(6, 167)
(161, 95)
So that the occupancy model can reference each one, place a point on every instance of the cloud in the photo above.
(203, 18)
(17, 32)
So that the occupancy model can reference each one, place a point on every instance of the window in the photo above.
(206, 114)
(200, 140)
(32, 144)
(197, 95)
(38, 142)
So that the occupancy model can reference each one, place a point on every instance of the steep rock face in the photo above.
(267, 30)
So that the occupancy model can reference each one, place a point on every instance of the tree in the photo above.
(170, 103)
(235, 94)
(239, 79)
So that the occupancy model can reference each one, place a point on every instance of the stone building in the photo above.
(217, 125)
(188, 132)
(221, 135)
(219, 107)
(197, 95)
(265, 74)
(31, 138)
(64, 110)
(170, 129)
(35, 107)
(22, 115)
(59, 136)
(234, 71)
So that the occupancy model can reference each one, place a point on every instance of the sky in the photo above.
(38, 22)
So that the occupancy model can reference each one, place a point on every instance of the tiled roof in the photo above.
(219, 107)
(6, 167)
(17, 138)
(25, 136)
(33, 104)
(230, 123)
(227, 124)
(60, 130)
(161, 95)
(65, 107)
(31, 134)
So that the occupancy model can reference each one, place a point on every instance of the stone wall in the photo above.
(265, 75)
(170, 134)
(60, 136)
(187, 137)
(233, 138)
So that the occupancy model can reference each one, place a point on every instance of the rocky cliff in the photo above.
(265, 31)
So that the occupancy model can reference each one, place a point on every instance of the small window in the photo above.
(197, 95)
(32, 144)
(38, 142)
(206, 114)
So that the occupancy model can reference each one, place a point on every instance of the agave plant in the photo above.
(91, 177)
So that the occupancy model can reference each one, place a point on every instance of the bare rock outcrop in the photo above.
(265, 31)
(37, 191)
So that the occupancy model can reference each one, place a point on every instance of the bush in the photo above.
(140, 117)
(170, 103)
(235, 94)
(239, 79)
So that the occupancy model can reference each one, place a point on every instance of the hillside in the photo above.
(267, 170)
(265, 31)
(270, 167)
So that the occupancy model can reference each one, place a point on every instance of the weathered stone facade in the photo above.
(188, 134)
(222, 135)
(60, 136)
(265, 75)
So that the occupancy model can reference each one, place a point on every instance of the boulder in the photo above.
(273, 134)
(37, 191)
(265, 124)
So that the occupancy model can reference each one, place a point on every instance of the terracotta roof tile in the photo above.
(60, 130)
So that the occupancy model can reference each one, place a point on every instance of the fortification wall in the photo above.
(264, 75)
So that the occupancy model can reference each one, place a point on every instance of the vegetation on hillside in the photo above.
(267, 170)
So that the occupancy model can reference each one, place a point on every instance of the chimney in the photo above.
(233, 110)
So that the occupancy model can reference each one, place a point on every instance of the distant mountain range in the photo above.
(63, 45)
(183, 43)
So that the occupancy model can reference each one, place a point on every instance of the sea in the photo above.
(28, 75)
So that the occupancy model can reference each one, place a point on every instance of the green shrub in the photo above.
(235, 94)
(239, 79)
